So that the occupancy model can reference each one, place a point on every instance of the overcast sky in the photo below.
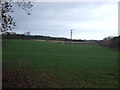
(88, 20)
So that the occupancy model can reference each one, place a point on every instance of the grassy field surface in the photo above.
(61, 65)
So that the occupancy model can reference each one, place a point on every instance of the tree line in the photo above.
(110, 42)
(37, 37)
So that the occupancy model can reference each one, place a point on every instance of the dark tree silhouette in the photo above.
(110, 42)
(7, 21)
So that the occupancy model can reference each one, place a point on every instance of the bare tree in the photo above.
(6, 20)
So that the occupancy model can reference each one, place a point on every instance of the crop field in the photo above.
(28, 63)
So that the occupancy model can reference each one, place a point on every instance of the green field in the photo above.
(62, 65)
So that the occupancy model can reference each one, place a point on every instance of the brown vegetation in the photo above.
(66, 42)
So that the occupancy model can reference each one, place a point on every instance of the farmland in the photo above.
(48, 64)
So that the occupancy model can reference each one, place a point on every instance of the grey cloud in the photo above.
(55, 19)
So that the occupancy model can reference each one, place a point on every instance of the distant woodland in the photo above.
(109, 42)
(39, 37)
